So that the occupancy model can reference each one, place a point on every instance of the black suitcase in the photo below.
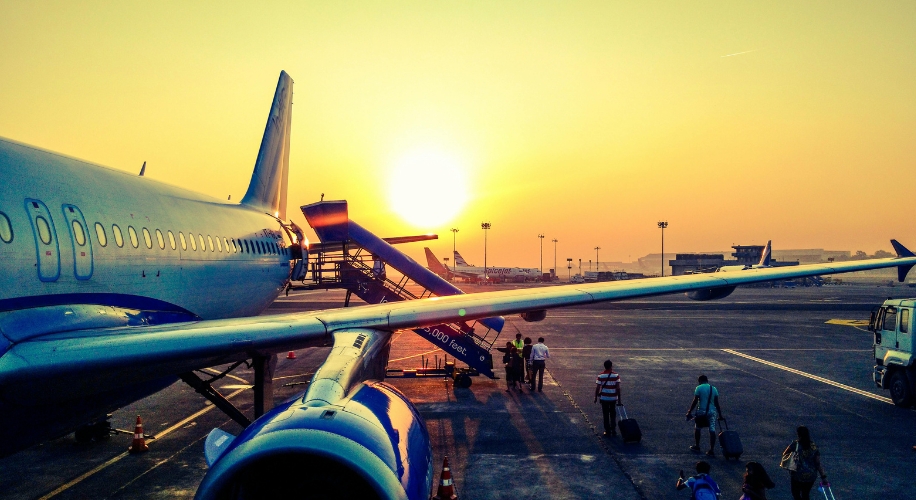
(629, 428)
(731, 443)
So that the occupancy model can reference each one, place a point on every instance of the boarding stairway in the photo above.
(350, 257)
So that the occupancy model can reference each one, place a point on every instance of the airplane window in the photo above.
(219, 245)
(100, 234)
(160, 240)
(116, 232)
(78, 233)
(6, 229)
(184, 242)
(147, 238)
(171, 240)
(260, 247)
(226, 242)
(203, 244)
(247, 250)
(193, 242)
(44, 231)
(133, 236)
(210, 240)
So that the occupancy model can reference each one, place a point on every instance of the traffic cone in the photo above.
(291, 355)
(139, 444)
(446, 489)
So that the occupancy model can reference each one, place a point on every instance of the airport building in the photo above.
(745, 255)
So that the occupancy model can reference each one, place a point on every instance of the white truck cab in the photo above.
(892, 325)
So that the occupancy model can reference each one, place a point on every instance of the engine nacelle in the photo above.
(372, 444)
(532, 316)
(711, 293)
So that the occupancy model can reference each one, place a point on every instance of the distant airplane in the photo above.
(722, 292)
(463, 270)
(114, 285)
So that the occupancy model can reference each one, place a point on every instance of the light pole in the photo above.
(662, 225)
(454, 231)
(597, 268)
(569, 269)
(555, 256)
(484, 226)
(446, 262)
(541, 236)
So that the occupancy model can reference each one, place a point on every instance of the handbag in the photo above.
(703, 420)
(790, 460)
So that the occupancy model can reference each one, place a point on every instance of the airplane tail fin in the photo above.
(459, 260)
(433, 263)
(766, 254)
(902, 251)
(267, 190)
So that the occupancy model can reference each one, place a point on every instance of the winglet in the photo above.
(902, 251)
(267, 190)
(766, 254)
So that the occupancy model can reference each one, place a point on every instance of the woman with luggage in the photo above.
(803, 461)
(756, 482)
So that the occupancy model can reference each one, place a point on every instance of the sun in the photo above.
(428, 187)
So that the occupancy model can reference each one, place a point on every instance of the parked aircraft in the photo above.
(722, 292)
(470, 272)
(113, 286)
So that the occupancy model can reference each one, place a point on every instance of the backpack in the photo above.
(703, 489)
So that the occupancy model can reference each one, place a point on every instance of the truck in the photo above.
(892, 326)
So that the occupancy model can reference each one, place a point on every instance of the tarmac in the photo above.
(779, 357)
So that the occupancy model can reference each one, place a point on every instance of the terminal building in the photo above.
(745, 255)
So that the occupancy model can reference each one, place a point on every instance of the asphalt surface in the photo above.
(759, 347)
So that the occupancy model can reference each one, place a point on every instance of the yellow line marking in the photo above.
(159, 435)
(847, 322)
(217, 372)
(812, 377)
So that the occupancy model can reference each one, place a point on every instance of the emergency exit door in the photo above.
(47, 249)
(79, 240)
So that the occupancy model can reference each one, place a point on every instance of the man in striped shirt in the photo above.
(607, 390)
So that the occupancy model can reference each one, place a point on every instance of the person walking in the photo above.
(756, 482)
(518, 369)
(803, 461)
(507, 363)
(702, 486)
(539, 356)
(526, 355)
(607, 390)
(706, 401)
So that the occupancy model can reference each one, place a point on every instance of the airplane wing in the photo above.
(111, 355)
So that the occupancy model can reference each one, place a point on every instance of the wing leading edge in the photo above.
(116, 356)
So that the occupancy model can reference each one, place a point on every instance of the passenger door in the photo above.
(79, 238)
(47, 249)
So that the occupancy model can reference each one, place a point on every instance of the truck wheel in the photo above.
(901, 393)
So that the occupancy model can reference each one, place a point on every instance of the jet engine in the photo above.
(532, 316)
(711, 293)
(348, 436)
(373, 445)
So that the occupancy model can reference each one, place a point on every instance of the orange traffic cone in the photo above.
(446, 489)
(291, 355)
(139, 444)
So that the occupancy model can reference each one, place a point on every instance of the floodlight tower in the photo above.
(662, 225)
(485, 226)
(454, 231)
(597, 268)
(555, 256)
(541, 236)
(569, 269)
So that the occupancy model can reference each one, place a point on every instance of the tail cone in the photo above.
(446, 489)
(139, 443)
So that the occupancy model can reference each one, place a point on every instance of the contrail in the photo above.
(739, 53)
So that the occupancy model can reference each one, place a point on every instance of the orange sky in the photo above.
(586, 121)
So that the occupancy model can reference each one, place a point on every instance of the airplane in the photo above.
(113, 286)
(722, 292)
(463, 270)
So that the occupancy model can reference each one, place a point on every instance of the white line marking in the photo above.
(114, 460)
(812, 377)
(691, 349)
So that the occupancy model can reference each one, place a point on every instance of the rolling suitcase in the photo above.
(731, 443)
(629, 428)
(825, 489)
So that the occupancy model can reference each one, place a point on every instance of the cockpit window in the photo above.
(118, 236)
(6, 229)
(100, 235)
